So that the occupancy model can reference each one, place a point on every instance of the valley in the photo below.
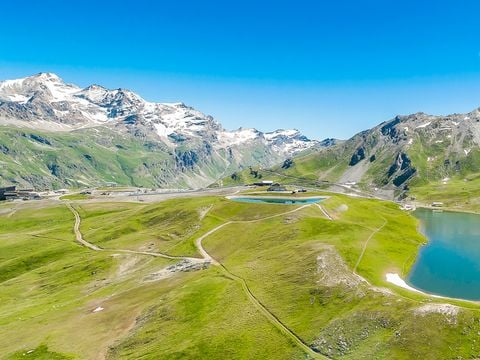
(249, 180)
(156, 233)
(201, 276)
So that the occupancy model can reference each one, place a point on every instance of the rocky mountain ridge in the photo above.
(185, 147)
(408, 150)
(46, 102)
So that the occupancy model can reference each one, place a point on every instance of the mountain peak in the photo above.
(95, 87)
(46, 76)
(44, 101)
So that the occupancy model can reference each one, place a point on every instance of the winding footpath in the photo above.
(207, 258)
(327, 215)
(82, 241)
(366, 244)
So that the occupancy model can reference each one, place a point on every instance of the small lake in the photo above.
(277, 200)
(449, 264)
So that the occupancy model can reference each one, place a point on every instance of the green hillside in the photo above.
(296, 263)
(92, 157)
(409, 157)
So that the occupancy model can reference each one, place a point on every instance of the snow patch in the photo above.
(423, 125)
(240, 136)
(395, 279)
(162, 130)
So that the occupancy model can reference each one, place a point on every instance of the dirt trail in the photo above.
(327, 215)
(272, 318)
(206, 257)
(366, 244)
(78, 234)
(81, 240)
(253, 299)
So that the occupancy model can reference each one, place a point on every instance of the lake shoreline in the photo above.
(447, 209)
(425, 272)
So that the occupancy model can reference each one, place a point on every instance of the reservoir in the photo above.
(449, 265)
(277, 200)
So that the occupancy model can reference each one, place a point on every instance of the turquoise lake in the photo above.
(283, 201)
(449, 264)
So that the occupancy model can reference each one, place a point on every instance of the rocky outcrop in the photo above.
(357, 156)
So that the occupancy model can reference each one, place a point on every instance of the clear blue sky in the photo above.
(328, 68)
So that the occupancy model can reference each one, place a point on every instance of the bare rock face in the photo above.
(412, 148)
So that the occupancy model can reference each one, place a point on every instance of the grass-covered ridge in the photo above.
(299, 265)
(94, 156)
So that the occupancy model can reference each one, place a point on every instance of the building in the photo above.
(277, 187)
(264, 183)
(11, 193)
(110, 184)
(4, 190)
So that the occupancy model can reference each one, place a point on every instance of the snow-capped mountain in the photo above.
(46, 102)
(183, 138)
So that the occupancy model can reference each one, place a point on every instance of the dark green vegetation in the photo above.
(298, 265)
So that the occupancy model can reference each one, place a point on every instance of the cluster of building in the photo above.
(275, 186)
(12, 193)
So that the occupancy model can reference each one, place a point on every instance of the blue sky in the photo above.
(328, 68)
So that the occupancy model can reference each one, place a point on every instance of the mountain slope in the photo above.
(413, 150)
(56, 134)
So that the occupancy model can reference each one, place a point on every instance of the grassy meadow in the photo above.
(300, 266)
